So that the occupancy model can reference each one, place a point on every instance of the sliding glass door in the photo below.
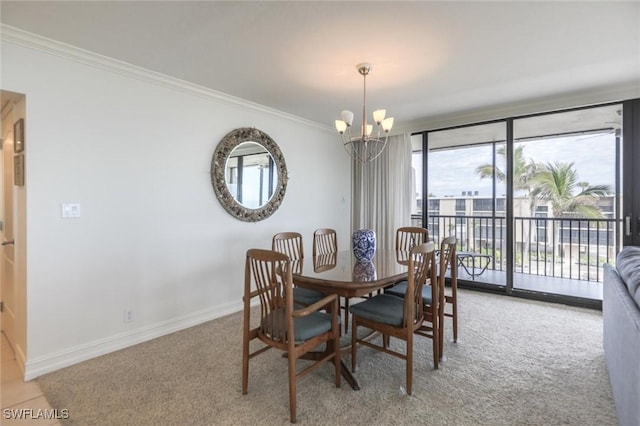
(566, 229)
(533, 201)
(466, 198)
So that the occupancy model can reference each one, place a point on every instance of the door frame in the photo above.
(630, 173)
(13, 108)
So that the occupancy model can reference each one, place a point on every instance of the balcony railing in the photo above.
(555, 247)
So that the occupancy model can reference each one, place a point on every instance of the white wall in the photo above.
(135, 152)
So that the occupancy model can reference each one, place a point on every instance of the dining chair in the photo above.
(409, 236)
(448, 260)
(290, 243)
(325, 243)
(406, 238)
(434, 309)
(281, 326)
(395, 316)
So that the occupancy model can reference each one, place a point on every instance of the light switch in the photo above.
(70, 210)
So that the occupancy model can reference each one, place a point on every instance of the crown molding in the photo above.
(33, 41)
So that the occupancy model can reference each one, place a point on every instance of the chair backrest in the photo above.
(289, 243)
(422, 268)
(325, 241)
(409, 236)
(448, 258)
(270, 272)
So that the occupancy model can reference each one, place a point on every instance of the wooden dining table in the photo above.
(341, 274)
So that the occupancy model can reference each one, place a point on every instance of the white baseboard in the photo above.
(47, 364)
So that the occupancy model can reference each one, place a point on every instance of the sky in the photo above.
(453, 171)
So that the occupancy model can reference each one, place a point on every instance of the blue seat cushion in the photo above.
(306, 297)
(382, 308)
(305, 328)
(400, 289)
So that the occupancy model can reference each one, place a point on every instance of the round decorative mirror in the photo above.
(249, 174)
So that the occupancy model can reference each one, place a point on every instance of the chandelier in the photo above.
(365, 147)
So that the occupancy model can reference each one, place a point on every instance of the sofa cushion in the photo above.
(628, 266)
(621, 338)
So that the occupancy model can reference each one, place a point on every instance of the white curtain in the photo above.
(381, 192)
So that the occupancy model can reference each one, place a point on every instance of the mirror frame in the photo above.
(218, 168)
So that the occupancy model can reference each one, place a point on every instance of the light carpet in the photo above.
(517, 362)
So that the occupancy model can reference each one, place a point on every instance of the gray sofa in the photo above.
(621, 316)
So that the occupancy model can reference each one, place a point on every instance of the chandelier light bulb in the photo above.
(341, 126)
(369, 130)
(378, 115)
(387, 124)
(347, 117)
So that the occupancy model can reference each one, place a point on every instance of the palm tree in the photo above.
(522, 170)
(557, 184)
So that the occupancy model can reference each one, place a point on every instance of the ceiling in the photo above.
(429, 59)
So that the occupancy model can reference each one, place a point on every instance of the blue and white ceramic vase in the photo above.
(364, 245)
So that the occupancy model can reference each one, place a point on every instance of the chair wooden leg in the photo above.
(336, 348)
(455, 325)
(346, 315)
(245, 352)
(436, 357)
(441, 326)
(292, 387)
(454, 305)
(336, 362)
(409, 362)
(441, 338)
(354, 336)
(435, 339)
(245, 369)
